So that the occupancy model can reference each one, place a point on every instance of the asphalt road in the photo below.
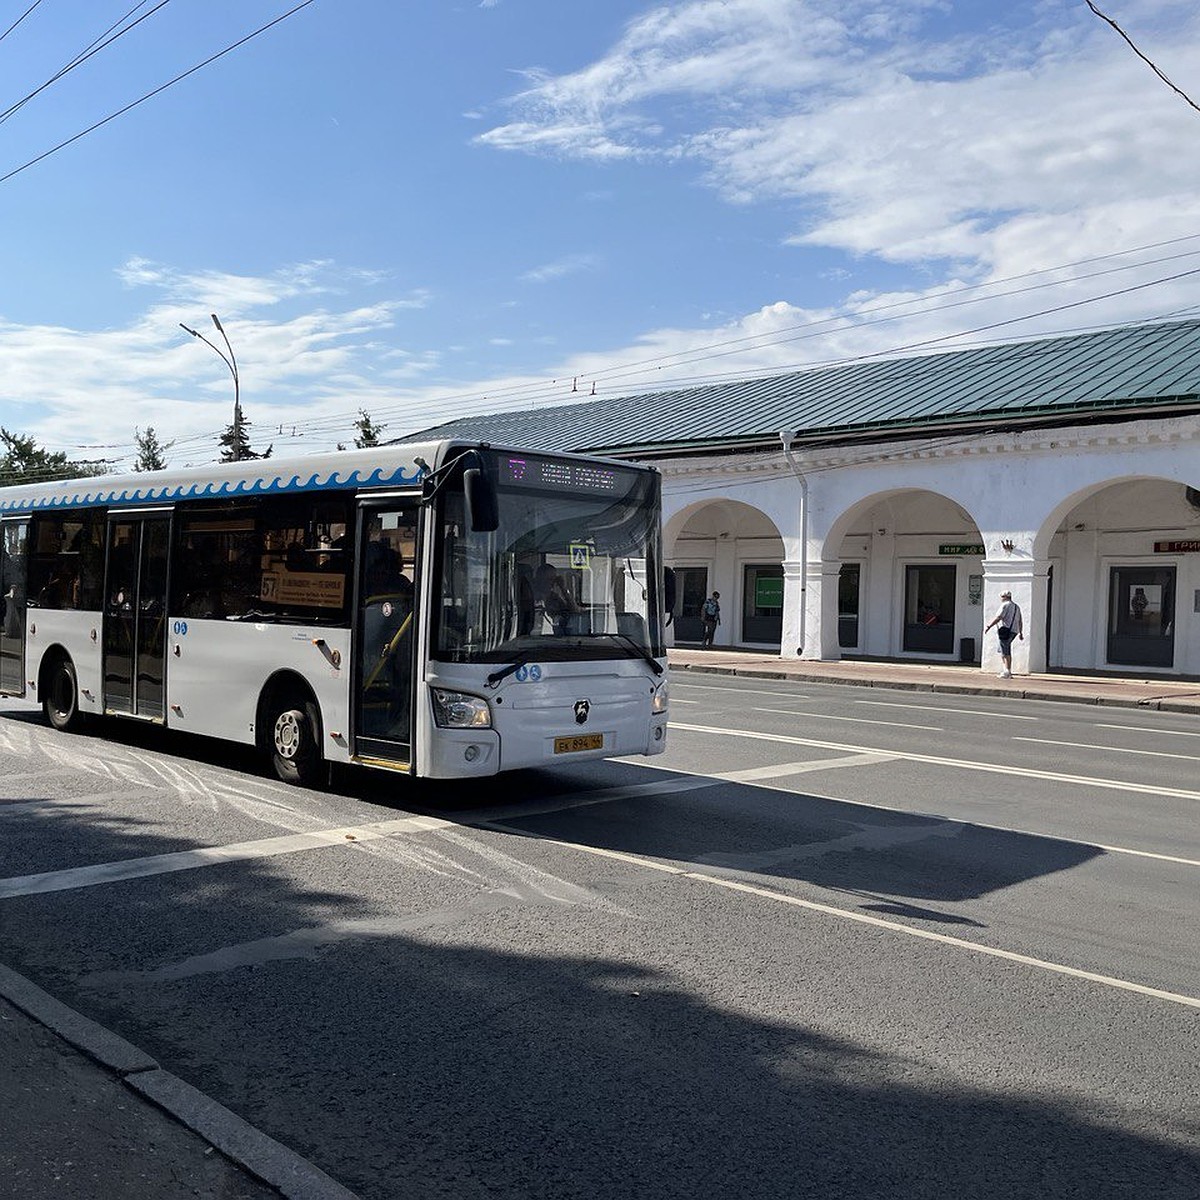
(835, 942)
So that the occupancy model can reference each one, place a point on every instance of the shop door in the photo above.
(386, 637)
(929, 608)
(12, 589)
(849, 580)
(1141, 616)
(135, 608)
(762, 605)
(691, 585)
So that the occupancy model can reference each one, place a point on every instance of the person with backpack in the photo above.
(710, 617)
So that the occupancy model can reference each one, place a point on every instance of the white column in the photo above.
(821, 612)
(1027, 580)
(794, 624)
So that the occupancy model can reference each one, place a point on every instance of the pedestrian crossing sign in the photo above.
(581, 556)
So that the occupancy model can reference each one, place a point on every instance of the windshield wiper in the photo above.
(639, 650)
(504, 672)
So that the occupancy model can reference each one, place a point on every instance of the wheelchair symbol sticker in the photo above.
(532, 674)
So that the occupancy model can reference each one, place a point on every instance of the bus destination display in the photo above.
(557, 474)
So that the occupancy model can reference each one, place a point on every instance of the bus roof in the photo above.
(394, 465)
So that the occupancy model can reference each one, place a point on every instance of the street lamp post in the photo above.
(231, 362)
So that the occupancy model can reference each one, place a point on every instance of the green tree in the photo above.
(22, 460)
(151, 455)
(235, 441)
(368, 432)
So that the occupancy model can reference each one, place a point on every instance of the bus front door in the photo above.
(15, 535)
(385, 638)
(135, 608)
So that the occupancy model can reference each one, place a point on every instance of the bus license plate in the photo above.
(582, 741)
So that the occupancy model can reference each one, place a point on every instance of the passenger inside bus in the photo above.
(386, 628)
(553, 597)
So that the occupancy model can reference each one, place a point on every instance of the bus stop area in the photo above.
(1168, 695)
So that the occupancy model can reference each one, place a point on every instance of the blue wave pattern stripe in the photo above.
(211, 491)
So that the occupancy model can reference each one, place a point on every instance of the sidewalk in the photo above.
(84, 1115)
(1166, 695)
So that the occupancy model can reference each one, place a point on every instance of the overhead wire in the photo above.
(19, 19)
(99, 44)
(468, 401)
(155, 92)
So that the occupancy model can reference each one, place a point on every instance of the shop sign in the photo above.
(1191, 547)
(768, 591)
(965, 548)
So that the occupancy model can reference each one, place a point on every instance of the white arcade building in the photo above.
(878, 509)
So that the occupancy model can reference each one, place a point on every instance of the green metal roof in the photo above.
(1128, 370)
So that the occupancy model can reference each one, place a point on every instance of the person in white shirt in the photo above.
(1008, 619)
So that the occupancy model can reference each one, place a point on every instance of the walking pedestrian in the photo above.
(1008, 623)
(710, 617)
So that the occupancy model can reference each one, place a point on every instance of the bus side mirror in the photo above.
(669, 594)
(483, 514)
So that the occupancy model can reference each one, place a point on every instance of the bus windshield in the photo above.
(571, 572)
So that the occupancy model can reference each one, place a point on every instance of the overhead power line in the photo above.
(19, 19)
(100, 43)
(1129, 42)
(150, 95)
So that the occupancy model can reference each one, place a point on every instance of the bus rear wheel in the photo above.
(60, 696)
(295, 748)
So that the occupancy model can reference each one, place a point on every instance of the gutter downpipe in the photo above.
(786, 438)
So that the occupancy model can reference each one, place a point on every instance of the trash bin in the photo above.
(966, 650)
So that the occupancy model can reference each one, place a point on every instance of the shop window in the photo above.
(1141, 616)
(929, 609)
(762, 604)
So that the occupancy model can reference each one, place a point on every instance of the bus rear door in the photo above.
(12, 590)
(135, 613)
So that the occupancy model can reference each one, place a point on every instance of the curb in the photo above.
(249, 1148)
(1158, 703)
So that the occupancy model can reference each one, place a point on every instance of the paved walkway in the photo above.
(1169, 695)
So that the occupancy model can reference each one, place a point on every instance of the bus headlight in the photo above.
(458, 710)
(659, 703)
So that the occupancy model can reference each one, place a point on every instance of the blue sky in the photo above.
(431, 209)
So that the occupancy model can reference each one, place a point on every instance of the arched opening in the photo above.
(734, 549)
(1124, 561)
(910, 579)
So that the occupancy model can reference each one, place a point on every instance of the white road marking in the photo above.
(862, 918)
(1147, 729)
(214, 856)
(973, 712)
(790, 712)
(937, 761)
(676, 700)
(1111, 749)
(209, 856)
(891, 808)
(780, 694)
(781, 770)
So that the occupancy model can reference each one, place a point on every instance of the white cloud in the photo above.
(572, 264)
(886, 142)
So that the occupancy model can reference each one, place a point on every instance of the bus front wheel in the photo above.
(60, 696)
(295, 749)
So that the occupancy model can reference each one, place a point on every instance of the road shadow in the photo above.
(485, 1028)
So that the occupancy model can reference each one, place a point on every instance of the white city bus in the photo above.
(439, 608)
